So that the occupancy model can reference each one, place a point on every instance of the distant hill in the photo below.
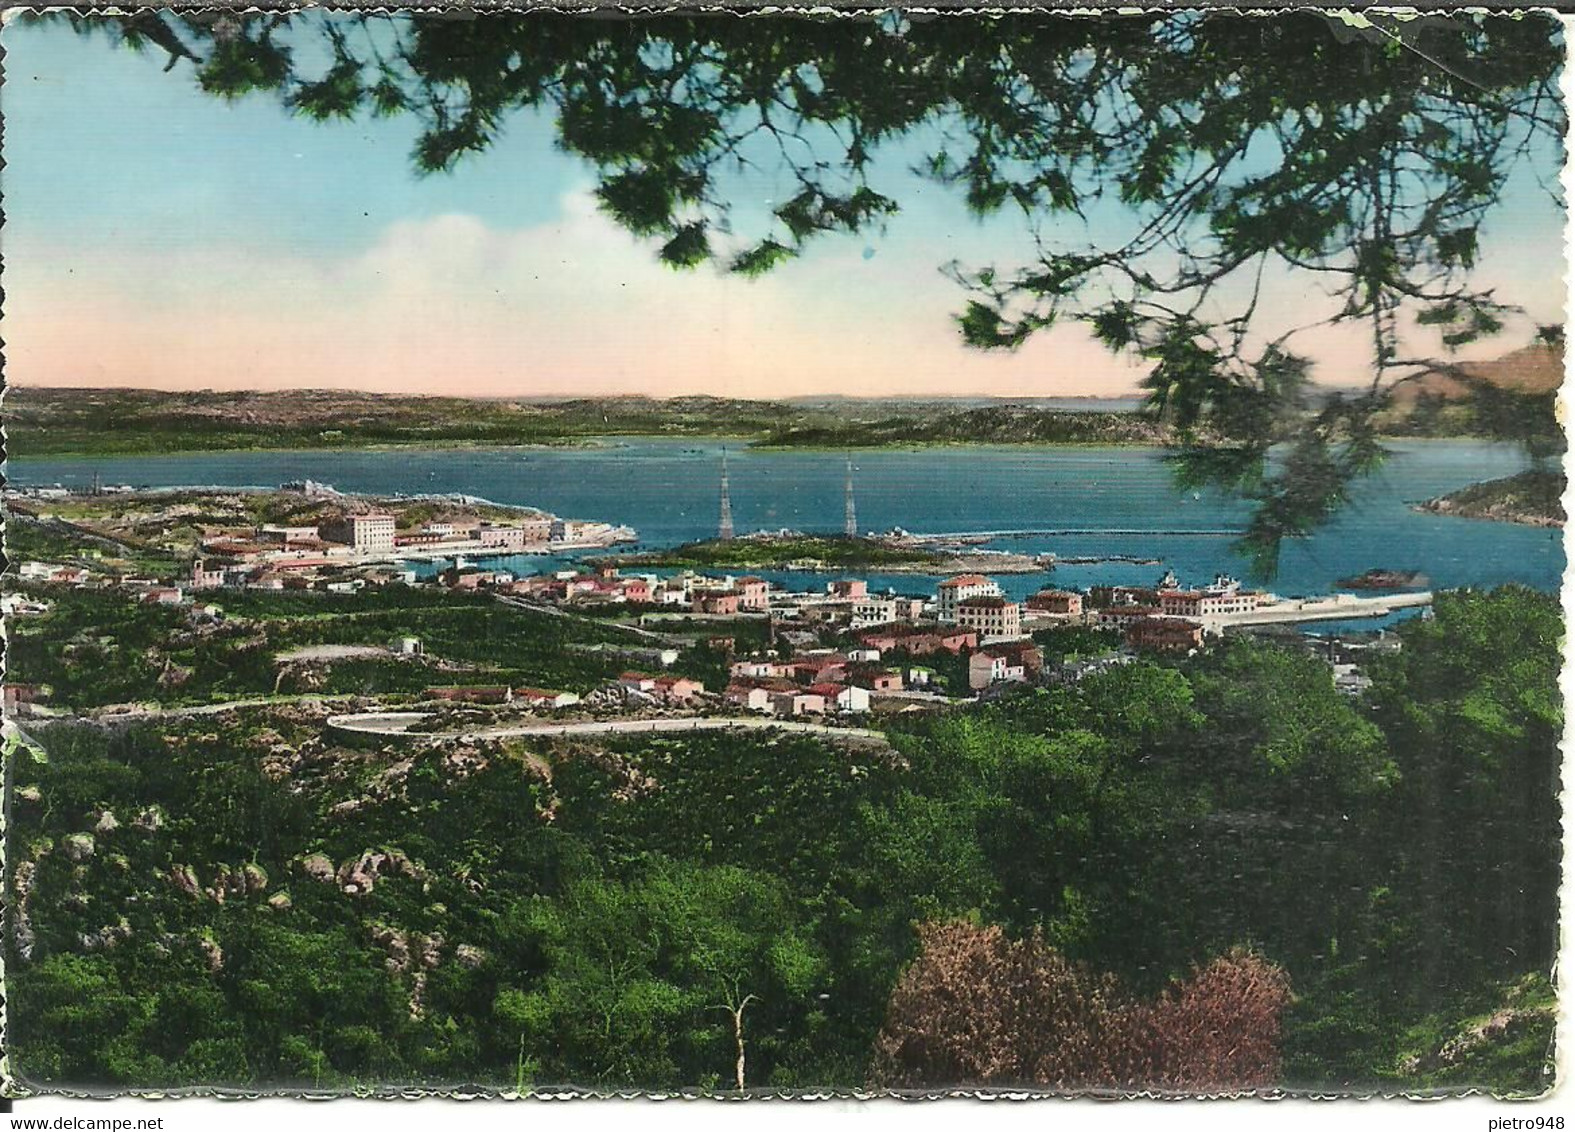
(1531, 370)
(1533, 498)
(96, 421)
(132, 421)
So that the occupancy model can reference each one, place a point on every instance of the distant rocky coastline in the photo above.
(1531, 498)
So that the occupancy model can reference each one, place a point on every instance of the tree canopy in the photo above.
(1208, 151)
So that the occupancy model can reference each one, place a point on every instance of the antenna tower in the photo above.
(850, 522)
(724, 527)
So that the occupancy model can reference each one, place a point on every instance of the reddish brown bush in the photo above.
(1218, 1030)
(978, 1009)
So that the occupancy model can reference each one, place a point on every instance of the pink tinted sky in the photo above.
(161, 238)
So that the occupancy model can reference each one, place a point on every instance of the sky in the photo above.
(160, 237)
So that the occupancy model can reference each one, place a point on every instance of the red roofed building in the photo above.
(843, 697)
(635, 589)
(723, 602)
(921, 642)
(1165, 634)
(1055, 603)
(754, 697)
(545, 697)
(677, 689)
(1120, 616)
(638, 681)
(819, 669)
(876, 679)
(471, 695)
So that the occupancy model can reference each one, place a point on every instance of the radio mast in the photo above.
(850, 522)
(724, 526)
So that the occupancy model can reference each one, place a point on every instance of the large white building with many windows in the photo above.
(990, 617)
(953, 591)
(368, 533)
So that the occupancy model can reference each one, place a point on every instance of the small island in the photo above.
(1384, 580)
(794, 551)
(1532, 498)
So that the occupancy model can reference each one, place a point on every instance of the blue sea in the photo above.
(668, 491)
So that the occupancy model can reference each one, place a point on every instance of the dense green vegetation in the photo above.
(98, 647)
(1069, 642)
(543, 914)
(1534, 496)
(127, 421)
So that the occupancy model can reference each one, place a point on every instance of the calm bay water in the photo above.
(668, 491)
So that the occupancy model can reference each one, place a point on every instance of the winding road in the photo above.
(394, 724)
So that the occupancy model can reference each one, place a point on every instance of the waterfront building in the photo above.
(753, 593)
(371, 532)
(848, 589)
(284, 535)
(493, 537)
(959, 589)
(990, 616)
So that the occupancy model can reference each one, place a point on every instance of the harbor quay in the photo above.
(830, 648)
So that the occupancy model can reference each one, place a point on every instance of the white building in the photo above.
(990, 616)
(986, 668)
(369, 533)
(842, 697)
(874, 611)
(959, 589)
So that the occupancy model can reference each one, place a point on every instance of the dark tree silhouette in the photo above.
(1364, 157)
